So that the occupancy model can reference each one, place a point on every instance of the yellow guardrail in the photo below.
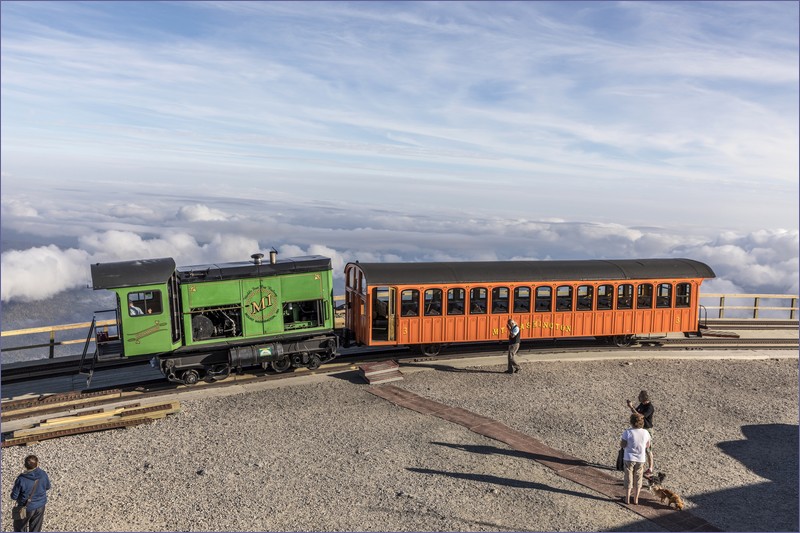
(724, 303)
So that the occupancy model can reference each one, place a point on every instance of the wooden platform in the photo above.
(594, 477)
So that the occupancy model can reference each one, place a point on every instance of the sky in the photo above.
(398, 131)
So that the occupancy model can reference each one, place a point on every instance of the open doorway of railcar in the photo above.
(383, 314)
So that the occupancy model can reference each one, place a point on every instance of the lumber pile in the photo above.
(92, 420)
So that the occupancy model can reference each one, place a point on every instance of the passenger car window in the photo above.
(585, 293)
(605, 297)
(500, 300)
(433, 302)
(625, 296)
(644, 296)
(477, 301)
(683, 295)
(664, 295)
(522, 300)
(455, 301)
(564, 298)
(544, 299)
(409, 302)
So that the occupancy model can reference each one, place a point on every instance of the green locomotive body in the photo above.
(204, 321)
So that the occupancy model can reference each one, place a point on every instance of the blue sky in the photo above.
(667, 125)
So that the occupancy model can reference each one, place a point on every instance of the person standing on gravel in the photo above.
(513, 347)
(636, 442)
(646, 409)
(30, 491)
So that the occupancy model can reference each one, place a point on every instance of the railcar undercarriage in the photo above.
(218, 363)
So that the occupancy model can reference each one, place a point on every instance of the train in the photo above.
(205, 321)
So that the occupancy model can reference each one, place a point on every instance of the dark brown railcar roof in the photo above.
(152, 271)
(536, 271)
(132, 273)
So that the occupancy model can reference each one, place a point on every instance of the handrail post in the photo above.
(792, 311)
(755, 307)
(721, 307)
(52, 344)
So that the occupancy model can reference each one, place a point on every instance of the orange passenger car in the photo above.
(428, 305)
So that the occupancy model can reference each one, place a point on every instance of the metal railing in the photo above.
(755, 311)
(752, 305)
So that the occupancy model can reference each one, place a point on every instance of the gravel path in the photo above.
(329, 456)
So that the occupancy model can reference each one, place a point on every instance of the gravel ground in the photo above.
(329, 456)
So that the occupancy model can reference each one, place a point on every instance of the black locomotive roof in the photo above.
(151, 271)
(523, 271)
(132, 273)
(248, 269)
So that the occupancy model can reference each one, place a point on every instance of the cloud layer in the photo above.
(764, 261)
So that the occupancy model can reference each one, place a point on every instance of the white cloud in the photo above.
(38, 273)
(200, 213)
(17, 208)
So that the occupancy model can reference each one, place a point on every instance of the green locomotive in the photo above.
(202, 322)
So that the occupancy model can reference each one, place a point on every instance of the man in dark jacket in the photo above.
(30, 490)
(513, 347)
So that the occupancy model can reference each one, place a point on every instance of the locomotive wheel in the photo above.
(314, 361)
(190, 377)
(219, 372)
(623, 341)
(430, 349)
(281, 365)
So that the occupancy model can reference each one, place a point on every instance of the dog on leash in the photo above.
(665, 494)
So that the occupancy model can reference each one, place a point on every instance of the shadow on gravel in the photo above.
(445, 368)
(771, 452)
(491, 450)
(508, 482)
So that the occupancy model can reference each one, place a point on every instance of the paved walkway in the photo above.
(565, 465)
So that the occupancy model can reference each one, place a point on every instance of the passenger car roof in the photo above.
(526, 271)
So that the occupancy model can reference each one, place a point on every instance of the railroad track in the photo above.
(91, 404)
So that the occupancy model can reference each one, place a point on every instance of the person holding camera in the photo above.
(645, 408)
(30, 494)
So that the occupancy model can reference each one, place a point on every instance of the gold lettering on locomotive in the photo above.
(259, 304)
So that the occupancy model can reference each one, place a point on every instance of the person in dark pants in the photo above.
(513, 347)
(646, 409)
(30, 490)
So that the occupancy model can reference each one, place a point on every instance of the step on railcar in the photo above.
(203, 321)
(429, 305)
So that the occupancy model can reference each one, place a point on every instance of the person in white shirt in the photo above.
(636, 443)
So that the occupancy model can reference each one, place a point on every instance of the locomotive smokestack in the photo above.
(273, 256)
(257, 258)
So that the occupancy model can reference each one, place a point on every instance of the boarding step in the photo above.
(381, 372)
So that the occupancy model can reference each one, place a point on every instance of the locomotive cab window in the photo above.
(455, 301)
(664, 295)
(564, 298)
(605, 297)
(144, 303)
(522, 300)
(625, 296)
(477, 301)
(683, 295)
(585, 293)
(544, 299)
(409, 302)
(500, 300)
(644, 296)
(433, 302)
